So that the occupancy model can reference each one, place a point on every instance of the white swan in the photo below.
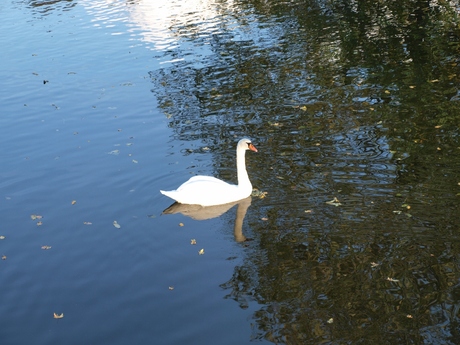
(210, 191)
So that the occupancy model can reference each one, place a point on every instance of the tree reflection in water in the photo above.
(356, 100)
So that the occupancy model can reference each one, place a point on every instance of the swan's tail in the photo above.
(169, 193)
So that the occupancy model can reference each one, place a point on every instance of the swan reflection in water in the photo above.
(198, 212)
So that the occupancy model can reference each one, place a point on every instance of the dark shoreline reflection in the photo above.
(46, 7)
(198, 212)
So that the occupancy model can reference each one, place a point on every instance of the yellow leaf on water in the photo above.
(334, 202)
(115, 224)
(58, 316)
(192, 241)
(74, 202)
(181, 224)
(201, 252)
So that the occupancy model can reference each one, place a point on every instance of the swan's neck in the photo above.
(243, 178)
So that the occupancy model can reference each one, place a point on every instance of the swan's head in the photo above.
(246, 144)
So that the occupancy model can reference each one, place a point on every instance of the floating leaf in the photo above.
(264, 218)
(39, 223)
(135, 161)
(258, 193)
(58, 316)
(374, 264)
(74, 202)
(87, 223)
(331, 320)
(46, 247)
(2, 237)
(409, 316)
(201, 252)
(35, 216)
(4, 257)
(334, 202)
(115, 224)
(308, 211)
(114, 152)
(392, 279)
(171, 287)
(181, 224)
(193, 241)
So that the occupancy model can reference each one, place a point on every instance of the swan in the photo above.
(210, 191)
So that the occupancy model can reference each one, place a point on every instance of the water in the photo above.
(353, 108)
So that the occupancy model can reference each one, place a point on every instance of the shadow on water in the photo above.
(351, 101)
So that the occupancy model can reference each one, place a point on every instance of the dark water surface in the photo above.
(354, 107)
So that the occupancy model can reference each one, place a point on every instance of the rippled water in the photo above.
(354, 110)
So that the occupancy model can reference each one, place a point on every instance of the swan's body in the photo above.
(210, 191)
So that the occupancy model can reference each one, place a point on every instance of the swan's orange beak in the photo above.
(252, 147)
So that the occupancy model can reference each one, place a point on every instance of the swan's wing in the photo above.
(206, 191)
(203, 179)
(198, 184)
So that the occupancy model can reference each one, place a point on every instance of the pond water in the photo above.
(353, 235)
